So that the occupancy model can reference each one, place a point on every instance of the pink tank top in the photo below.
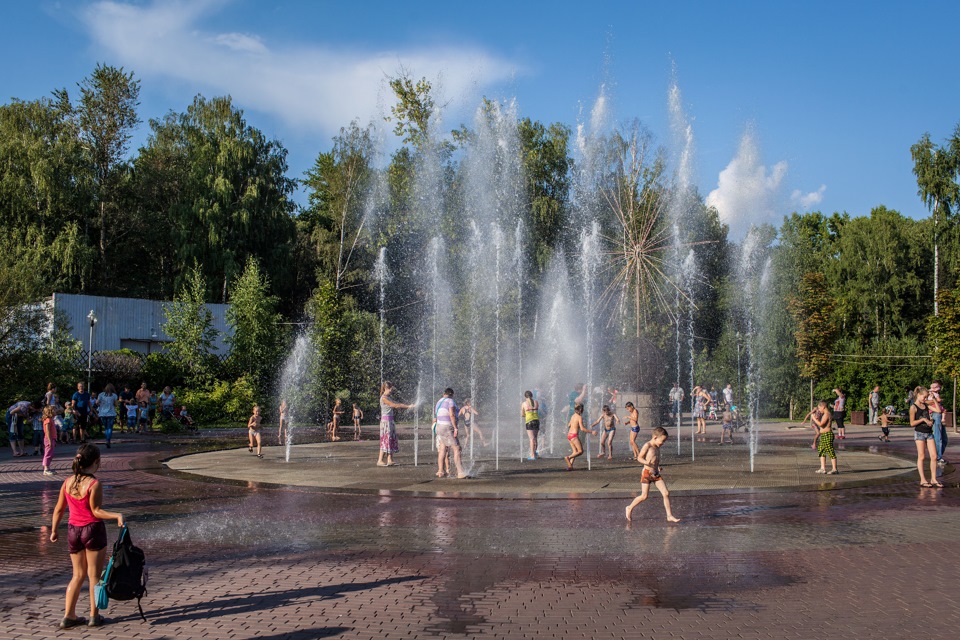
(80, 514)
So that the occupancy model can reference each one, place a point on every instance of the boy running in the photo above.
(650, 457)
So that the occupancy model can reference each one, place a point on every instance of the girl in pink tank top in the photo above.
(86, 533)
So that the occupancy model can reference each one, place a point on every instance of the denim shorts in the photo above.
(919, 437)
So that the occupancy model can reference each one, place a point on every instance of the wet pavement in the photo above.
(242, 559)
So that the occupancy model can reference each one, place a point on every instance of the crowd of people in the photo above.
(55, 420)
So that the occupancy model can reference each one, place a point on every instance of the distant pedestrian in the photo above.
(389, 444)
(17, 414)
(873, 404)
(357, 417)
(839, 412)
(728, 395)
(936, 414)
(253, 431)
(82, 495)
(81, 412)
(49, 437)
(726, 425)
(448, 434)
(530, 413)
(632, 421)
(282, 434)
(889, 411)
(821, 421)
(650, 457)
(107, 410)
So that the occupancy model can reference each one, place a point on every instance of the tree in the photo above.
(937, 170)
(257, 337)
(190, 323)
(106, 117)
(229, 197)
(816, 330)
(546, 169)
(335, 219)
(943, 335)
(415, 105)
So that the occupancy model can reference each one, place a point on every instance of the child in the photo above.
(650, 457)
(335, 420)
(132, 415)
(839, 411)
(573, 434)
(820, 419)
(67, 434)
(253, 430)
(633, 421)
(144, 416)
(727, 425)
(49, 437)
(87, 537)
(470, 415)
(282, 433)
(357, 417)
(185, 418)
(889, 411)
(610, 420)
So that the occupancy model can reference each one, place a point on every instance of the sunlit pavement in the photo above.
(235, 560)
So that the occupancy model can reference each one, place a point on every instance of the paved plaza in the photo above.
(330, 545)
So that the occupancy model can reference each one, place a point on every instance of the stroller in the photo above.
(739, 422)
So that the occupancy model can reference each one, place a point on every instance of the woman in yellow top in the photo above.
(529, 411)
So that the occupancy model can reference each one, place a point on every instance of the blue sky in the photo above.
(832, 93)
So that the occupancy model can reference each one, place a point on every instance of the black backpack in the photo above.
(126, 577)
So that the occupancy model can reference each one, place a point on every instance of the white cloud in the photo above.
(806, 201)
(308, 85)
(748, 192)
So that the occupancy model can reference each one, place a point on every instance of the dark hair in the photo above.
(659, 431)
(87, 456)
(606, 407)
(528, 394)
(629, 404)
(448, 392)
(578, 408)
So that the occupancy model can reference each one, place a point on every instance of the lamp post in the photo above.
(92, 317)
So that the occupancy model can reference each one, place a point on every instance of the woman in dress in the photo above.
(389, 444)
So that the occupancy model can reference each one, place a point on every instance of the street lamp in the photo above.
(92, 317)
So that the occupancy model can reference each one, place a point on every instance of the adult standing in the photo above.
(16, 414)
(873, 404)
(923, 436)
(839, 412)
(389, 444)
(936, 415)
(530, 412)
(143, 394)
(728, 395)
(126, 397)
(81, 412)
(107, 410)
(168, 403)
(446, 415)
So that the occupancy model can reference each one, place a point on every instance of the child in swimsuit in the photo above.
(609, 420)
(633, 421)
(282, 432)
(253, 430)
(650, 457)
(727, 425)
(335, 420)
(820, 419)
(357, 417)
(573, 434)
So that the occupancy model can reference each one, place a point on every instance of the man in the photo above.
(676, 397)
(81, 412)
(728, 395)
(873, 403)
(446, 415)
(143, 393)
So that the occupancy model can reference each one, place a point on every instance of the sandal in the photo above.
(69, 623)
(937, 485)
(926, 485)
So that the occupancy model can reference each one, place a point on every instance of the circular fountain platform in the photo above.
(350, 467)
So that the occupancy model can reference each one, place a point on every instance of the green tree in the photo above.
(255, 345)
(816, 331)
(546, 169)
(415, 105)
(190, 323)
(943, 335)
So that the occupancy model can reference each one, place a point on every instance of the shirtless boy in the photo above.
(650, 457)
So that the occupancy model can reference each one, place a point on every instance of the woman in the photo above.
(530, 412)
(86, 533)
(923, 436)
(168, 403)
(701, 404)
(839, 411)
(389, 444)
(107, 410)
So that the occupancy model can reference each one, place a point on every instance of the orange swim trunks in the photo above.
(647, 477)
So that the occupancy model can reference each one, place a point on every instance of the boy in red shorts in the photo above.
(650, 457)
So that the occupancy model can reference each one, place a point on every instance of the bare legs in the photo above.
(645, 492)
(87, 565)
(927, 449)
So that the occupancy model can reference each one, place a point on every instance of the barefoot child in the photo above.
(633, 421)
(650, 457)
(49, 437)
(609, 420)
(726, 425)
(820, 419)
(335, 420)
(282, 432)
(573, 434)
(357, 417)
(253, 430)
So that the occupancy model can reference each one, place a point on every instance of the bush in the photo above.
(221, 401)
(160, 370)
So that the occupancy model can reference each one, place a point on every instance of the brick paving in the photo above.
(235, 560)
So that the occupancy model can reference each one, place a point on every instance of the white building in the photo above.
(127, 323)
